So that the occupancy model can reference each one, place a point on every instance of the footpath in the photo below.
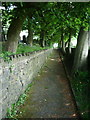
(50, 95)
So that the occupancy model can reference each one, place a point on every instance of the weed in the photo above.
(12, 111)
(10, 68)
(46, 87)
(5, 55)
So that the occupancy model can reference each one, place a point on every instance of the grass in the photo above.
(81, 84)
(22, 48)
(13, 110)
(26, 48)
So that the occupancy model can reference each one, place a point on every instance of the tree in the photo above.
(13, 34)
(75, 16)
(42, 38)
(16, 20)
(19, 15)
(0, 23)
(81, 54)
(30, 32)
(62, 42)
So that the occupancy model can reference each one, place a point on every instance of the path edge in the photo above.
(69, 78)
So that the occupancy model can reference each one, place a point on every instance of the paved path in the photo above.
(50, 96)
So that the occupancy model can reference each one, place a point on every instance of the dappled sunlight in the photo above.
(73, 115)
(52, 59)
(45, 71)
(59, 60)
(67, 104)
(38, 74)
(85, 112)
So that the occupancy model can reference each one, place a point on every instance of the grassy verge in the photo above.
(21, 49)
(26, 48)
(81, 85)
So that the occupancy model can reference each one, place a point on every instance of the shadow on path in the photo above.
(50, 96)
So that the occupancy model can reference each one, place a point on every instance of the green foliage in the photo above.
(26, 48)
(81, 86)
(21, 49)
(5, 55)
(10, 68)
(49, 17)
(12, 111)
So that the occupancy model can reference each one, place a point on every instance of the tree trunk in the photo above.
(30, 31)
(60, 43)
(24, 39)
(30, 37)
(45, 43)
(69, 43)
(89, 39)
(66, 44)
(81, 53)
(42, 39)
(63, 43)
(0, 23)
(13, 34)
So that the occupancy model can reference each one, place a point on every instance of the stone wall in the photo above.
(17, 74)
